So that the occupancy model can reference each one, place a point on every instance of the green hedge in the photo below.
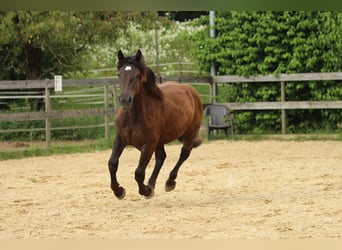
(252, 43)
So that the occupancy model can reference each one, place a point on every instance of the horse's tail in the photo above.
(197, 142)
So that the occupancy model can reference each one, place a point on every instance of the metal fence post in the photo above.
(47, 120)
(106, 106)
(283, 112)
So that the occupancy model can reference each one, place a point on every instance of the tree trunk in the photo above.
(33, 71)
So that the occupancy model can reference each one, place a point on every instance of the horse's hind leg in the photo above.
(190, 141)
(160, 157)
(171, 183)
(113, 167)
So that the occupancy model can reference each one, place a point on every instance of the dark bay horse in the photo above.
(150, 117)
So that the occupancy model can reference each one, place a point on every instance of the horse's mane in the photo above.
(151, 83)
(147, 75)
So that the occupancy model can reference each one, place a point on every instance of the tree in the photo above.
(36, 45)
(251, 43)
(182, 15)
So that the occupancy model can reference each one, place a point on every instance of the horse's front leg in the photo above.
(160, 157)
(145, 156)
(113, 163)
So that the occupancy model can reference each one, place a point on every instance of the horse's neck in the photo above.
(141, 109)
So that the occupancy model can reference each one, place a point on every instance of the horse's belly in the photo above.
(175, 126)
(138, 138)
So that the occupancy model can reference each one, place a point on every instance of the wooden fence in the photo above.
(48, 114)
(283, 104)
(110, 85)
(42, 89)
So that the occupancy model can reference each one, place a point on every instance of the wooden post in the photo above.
(115, 99)
(47, 120)
(106, 103)
(283, 112)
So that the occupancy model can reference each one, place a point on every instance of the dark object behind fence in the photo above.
(219, 118)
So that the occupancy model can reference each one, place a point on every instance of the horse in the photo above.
(151, 116)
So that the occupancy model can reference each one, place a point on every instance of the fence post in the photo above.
(106, 103)
(115, 98)
(47, 120)
(283, 112)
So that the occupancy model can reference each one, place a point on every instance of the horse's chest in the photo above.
(129, 133)
(132, 136)
(143, 130)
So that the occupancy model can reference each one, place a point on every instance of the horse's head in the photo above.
(132, 73)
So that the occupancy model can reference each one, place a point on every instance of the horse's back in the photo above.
(181, 94)
(183, 108)
(171, 87)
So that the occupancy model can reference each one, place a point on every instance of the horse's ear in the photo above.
(120, 55)
(139, 56)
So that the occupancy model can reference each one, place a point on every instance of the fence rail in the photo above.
(283, 105)
(45, 87)
(281, 77)
(42, 89)
(50, 83)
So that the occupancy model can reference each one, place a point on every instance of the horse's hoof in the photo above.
(149, 196)
(121, 194)
(170, 186)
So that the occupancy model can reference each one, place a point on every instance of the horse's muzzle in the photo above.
(125, 100)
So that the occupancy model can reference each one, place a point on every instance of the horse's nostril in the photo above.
(125, 99)
(121, 100)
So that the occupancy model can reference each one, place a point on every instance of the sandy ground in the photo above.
(230, 190)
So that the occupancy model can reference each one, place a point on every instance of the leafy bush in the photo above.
(251, 43)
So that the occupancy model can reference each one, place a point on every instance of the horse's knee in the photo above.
(139, 175)
(113, 164)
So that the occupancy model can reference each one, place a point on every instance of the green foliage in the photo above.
(37, 45)
(104, 34)
(252, 43)
(173, 43)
